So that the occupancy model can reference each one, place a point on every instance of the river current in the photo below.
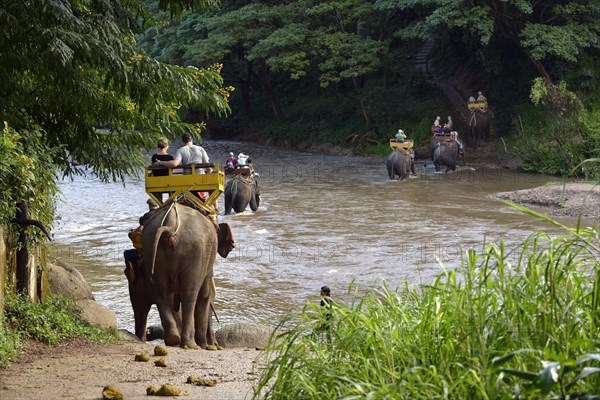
(323, 220)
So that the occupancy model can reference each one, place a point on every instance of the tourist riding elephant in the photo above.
(240, 191)
(479, 124)
(400, 163)
(444, 153)
(180, 246)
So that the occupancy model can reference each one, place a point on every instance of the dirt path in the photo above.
(80, 370)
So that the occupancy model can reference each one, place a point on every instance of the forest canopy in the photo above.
(335, 71)
(77, 91)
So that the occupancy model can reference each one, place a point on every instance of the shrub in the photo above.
(52, 322)
(498, 327)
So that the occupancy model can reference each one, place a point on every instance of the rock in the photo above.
(127, 336)
(244, 335)
(68, 282)
(154, 332)
(96, 314)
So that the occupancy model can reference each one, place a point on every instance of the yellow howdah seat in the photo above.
(406, 145)
(186, 180)
(482, 105)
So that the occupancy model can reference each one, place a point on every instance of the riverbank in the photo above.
(571, 200)
(81, 369)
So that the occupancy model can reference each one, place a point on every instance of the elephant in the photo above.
(180, 246)
(444, 153)
(400, 163)
(240, 191)
(479, 124)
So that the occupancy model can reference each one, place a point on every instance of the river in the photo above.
(323, 220)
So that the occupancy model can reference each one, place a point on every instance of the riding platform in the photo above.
(202, 184)
(401, 144)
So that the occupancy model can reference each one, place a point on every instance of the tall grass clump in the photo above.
(52, 322)
(506, 324)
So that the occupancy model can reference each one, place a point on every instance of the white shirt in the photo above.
(191, 154)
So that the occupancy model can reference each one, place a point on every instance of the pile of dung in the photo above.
(111, 393)
(165, 390)
(142, 357)
(201, 381)
(160, 351)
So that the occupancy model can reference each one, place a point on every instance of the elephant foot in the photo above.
(171, 340)
(212, 347)
(188, 346)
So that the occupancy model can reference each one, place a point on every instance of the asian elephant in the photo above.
(479, 124)
(444, 153)
(240, 191)
(180, 246)
(400, 163)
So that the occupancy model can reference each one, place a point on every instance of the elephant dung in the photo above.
(142, 357)
(161, 362)
(160, 351)
(165, 390)
(111, 393)
(201, 381)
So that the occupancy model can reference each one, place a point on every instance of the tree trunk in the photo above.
(267, 89)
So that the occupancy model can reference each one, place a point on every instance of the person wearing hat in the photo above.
(231, 162)
(400, 136)
(188, 153)
(242, 160)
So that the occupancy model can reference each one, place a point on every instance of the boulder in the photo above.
(127, 336)
(96, 314)
(68, 282)
(244, 335)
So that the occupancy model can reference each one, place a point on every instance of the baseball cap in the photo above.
(186, 137)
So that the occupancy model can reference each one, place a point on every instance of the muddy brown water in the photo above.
(323, 220)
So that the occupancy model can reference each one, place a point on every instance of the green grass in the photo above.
(507, 324)
(50, 322)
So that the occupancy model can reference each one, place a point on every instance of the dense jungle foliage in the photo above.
(342, 71)
(70, 67)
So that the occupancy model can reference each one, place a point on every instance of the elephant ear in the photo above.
(226, 242)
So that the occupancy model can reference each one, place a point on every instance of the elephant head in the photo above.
(400, 163)
(240, 192)
(176, 274)
(479, 125)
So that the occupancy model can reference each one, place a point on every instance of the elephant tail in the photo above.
(473, 119)
(436, 152)
(171, 238)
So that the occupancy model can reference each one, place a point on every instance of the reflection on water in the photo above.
(323, 220)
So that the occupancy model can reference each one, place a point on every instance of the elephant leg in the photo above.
(241, 202)
(253, 201)
(228, 199)
(140, 314)
(203, 322)
(390, 170)
(168, 321)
